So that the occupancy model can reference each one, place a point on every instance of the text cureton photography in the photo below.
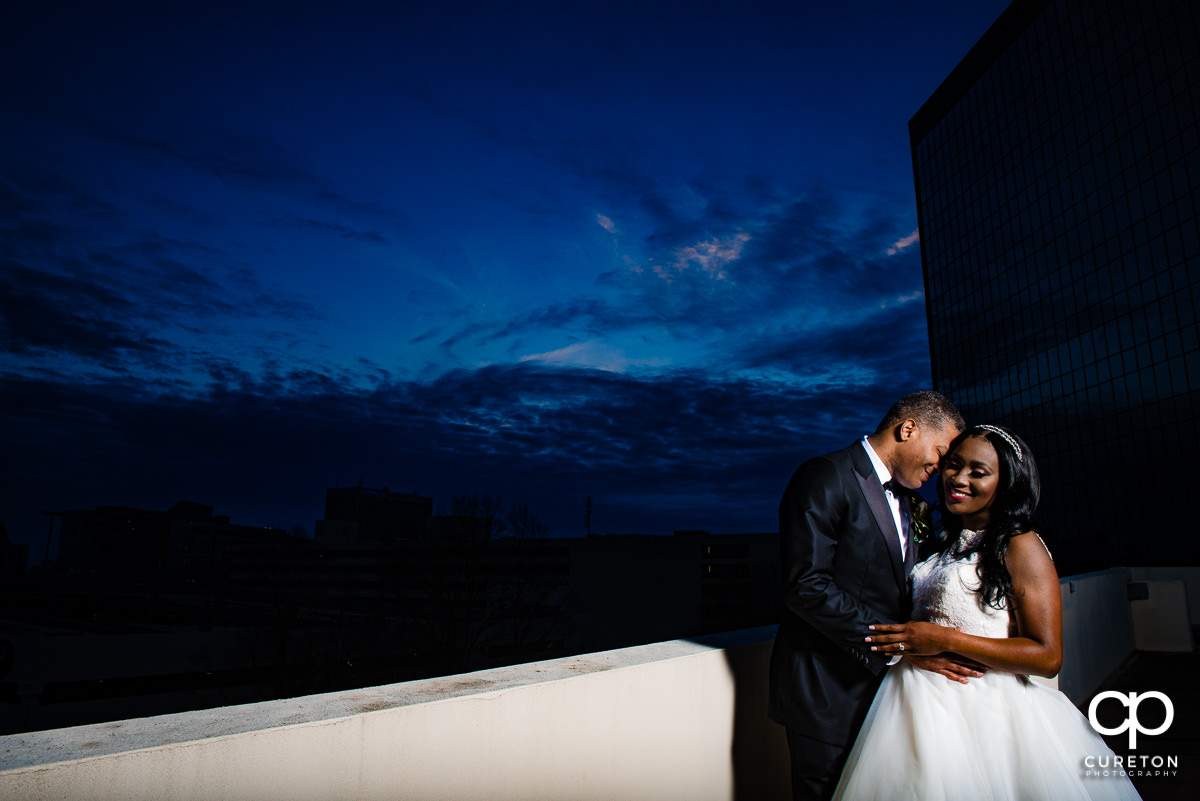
(1130, 764)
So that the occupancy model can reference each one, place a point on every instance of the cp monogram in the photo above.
(1131, 723)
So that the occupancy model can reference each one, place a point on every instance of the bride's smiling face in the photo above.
(970, 477)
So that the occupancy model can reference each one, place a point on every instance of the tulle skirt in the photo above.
(1000, 737)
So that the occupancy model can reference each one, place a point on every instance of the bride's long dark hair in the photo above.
(1011, 512)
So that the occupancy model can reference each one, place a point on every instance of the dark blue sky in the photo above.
(654, 253)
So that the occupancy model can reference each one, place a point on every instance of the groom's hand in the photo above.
(955, 668)
(915, 637)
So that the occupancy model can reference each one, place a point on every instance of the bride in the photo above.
(991, 595)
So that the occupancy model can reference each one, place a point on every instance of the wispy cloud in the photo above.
(44, 313)
(606, 223)
(337, 229)
(902, 300)
(89, 287)
(593, 354)
(904, 243)
(711, 257)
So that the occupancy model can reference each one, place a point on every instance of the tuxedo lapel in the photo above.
(868, 482)
(910, 553)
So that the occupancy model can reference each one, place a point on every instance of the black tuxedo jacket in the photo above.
(842, 571)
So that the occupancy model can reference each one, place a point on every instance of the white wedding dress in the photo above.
(1000, 737)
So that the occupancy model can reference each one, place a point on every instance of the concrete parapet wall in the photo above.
(1160, 619)
(678, 719)
(1097, 630)
(1190, 576)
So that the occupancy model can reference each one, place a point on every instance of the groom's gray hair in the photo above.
(928, 408)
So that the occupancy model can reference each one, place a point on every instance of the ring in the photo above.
(901, 646)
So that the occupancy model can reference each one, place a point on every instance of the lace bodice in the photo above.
(946, 592)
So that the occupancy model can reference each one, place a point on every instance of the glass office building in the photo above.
(1056, 171)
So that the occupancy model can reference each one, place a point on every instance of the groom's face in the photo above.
(920, 451)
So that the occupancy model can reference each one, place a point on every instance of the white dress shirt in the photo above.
(893, 502)
(885, 476)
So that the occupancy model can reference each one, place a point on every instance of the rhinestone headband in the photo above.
(1016, 448)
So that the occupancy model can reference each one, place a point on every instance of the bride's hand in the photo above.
(914, 638)
(955, 668)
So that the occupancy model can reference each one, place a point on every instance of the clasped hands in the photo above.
(925, 646)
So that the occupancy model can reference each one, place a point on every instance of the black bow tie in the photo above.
(897, 489)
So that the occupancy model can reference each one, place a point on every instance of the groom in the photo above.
(846, 552)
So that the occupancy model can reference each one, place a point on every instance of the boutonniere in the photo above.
(922, 518)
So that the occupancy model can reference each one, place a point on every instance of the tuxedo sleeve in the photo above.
(812, 518)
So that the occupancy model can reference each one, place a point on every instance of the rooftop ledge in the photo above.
(103, 739)
(681, 719)
(654, 721)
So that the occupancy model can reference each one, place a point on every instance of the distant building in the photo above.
(1056, 173)
(362, 514)
(184, 544)
(631, 589)
(114, 539)
(13, 557)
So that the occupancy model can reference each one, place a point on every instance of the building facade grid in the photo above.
(1056, 173)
